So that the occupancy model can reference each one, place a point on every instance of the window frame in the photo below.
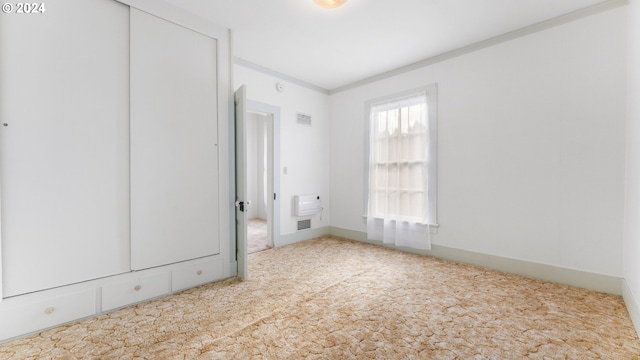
(431, 91)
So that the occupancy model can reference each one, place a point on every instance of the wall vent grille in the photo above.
(304, 119)
(304, 224)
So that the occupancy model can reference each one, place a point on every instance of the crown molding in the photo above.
(279, 75)
(515, 34)
(527, 30)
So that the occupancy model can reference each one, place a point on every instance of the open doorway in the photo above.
(262, 180)
(258, 146)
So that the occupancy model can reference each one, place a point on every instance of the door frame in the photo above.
(241, 265)
(273, 114)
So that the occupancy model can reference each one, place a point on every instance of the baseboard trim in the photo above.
(633, 306)
(350, 234)
(582, 279)
(302, 236)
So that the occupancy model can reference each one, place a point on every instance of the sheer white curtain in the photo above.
(398, 199)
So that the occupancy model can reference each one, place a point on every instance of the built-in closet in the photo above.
(112, 165)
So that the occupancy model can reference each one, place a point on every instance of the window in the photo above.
(402, 157)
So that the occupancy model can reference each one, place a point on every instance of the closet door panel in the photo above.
(174, 157)
(64, 151)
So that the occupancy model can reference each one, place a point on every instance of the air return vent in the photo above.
(304, 224)
(304, 119)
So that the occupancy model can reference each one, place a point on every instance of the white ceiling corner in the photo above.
(332, 48)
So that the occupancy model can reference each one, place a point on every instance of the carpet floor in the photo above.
(257, 239)
(330, 298)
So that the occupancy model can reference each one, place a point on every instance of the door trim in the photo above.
(274, 111)
(255, 106)
(240, 101)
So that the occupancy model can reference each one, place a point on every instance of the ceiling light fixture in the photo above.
(329, 4)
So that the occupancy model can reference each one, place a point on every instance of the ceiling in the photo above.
(331, 48)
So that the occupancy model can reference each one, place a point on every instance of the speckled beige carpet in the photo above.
(257, 239)
(334, 299)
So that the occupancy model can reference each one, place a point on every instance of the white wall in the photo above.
(261, 166)
(252, 165)
(531, 146)
(632, 196)
(256, 153)
(304, 150)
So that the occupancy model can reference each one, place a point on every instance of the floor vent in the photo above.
(304, 224)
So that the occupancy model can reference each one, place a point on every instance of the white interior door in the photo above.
(174, 149)
(64, 97)
(241, 181)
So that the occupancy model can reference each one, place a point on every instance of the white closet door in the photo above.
(65, 161)
(174, 155)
